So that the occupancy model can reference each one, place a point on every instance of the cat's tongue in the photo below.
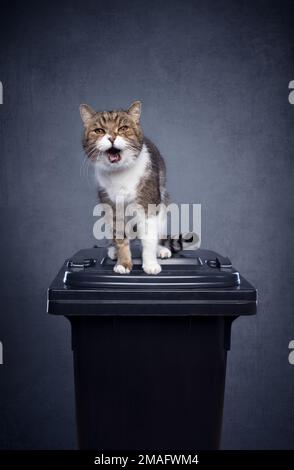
(114, 155)
(114, 158)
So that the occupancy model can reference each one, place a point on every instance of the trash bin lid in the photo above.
(189, 278)
(187, 268)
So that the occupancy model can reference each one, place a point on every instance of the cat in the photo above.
(130, 167)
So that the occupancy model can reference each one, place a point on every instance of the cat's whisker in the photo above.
(92, 150)
(87, 169)
(84, 169)
(83, 166)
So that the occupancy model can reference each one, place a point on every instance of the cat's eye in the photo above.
(98, 130)
(123, 128)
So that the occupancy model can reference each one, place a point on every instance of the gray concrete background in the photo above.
(213, 79)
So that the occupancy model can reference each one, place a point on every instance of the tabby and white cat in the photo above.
(129, 167)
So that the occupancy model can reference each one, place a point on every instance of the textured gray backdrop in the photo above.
(213, 78)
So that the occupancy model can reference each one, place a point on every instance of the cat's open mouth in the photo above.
(113, 155)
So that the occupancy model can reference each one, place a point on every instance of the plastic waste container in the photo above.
(150, 351)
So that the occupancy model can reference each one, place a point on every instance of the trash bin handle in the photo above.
(86, 263)
(221, 262)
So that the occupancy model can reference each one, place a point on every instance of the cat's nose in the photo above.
(111, 138)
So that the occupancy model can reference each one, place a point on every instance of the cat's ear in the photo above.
(86, 113)
(135, 111)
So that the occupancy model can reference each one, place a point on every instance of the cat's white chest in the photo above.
(123, 184)
(122, 188)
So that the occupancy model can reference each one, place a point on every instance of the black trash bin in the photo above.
(150, 351)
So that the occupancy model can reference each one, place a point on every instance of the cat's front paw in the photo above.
(121, 269)
(163, 252)
(152, 268)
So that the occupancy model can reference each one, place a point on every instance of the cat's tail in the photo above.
(176, 243)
